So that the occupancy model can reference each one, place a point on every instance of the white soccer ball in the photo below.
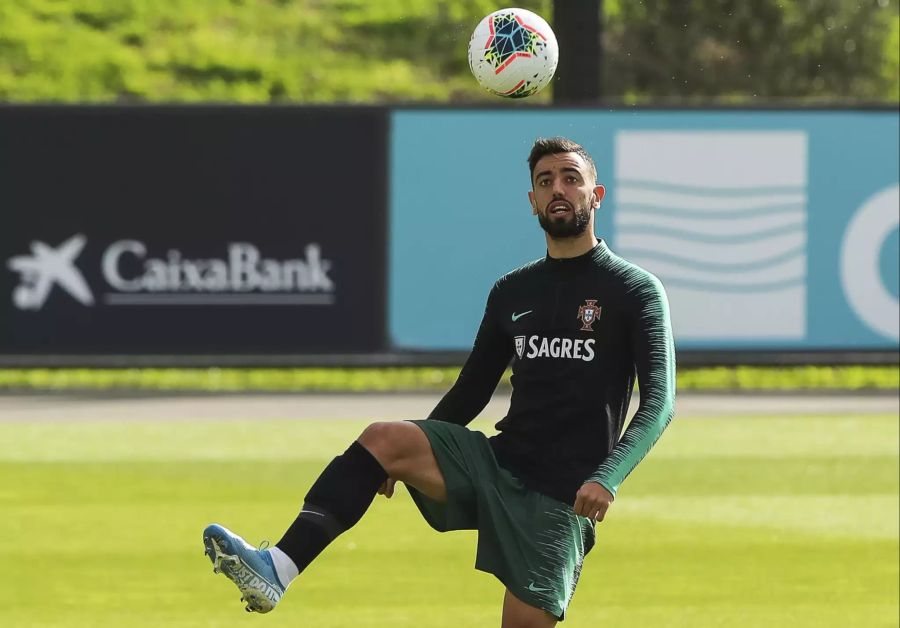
(513, 53)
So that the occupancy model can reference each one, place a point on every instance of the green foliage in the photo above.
(737, 51)
(891, 68)
(859, 378)
(363, 51)
(221, 50)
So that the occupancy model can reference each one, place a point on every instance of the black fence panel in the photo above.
(191, 230)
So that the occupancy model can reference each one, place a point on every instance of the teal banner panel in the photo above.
(771, 230)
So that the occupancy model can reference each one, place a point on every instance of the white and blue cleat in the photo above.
(251, 569)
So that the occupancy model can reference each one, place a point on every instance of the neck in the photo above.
(562, 248)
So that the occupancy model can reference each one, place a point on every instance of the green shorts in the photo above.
(534, 544)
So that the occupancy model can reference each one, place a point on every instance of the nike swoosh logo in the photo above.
(531, 587)
(516, 317)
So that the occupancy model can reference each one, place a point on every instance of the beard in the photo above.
(565, 227)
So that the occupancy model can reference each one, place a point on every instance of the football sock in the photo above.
(284, 566)
(336, 501)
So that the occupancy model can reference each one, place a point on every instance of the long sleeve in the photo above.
(490, 356)
(654, 352)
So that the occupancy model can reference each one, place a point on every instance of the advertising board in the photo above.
(191, 230)
(773, 230)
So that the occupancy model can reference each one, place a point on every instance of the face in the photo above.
(564, 194)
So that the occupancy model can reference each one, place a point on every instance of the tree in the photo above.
(760, 51)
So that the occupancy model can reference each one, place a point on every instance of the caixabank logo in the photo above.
(131, 273)
(47, 267)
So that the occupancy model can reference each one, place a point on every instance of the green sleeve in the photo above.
(654, 356)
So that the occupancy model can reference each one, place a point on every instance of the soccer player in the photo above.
(578, 326)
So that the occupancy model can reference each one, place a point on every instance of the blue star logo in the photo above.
(510, 38)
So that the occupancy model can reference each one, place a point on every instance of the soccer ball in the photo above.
(513, 53)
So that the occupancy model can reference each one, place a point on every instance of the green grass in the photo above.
(850, 378)
(738, 522)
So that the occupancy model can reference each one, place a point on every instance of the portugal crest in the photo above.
(588, 313)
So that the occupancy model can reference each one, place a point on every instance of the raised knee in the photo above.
(384, 439)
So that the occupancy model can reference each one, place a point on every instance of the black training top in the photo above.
(578, 331)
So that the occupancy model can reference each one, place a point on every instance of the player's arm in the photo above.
(475, 385)
(654, 351)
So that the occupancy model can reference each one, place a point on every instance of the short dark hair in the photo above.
(555, 145)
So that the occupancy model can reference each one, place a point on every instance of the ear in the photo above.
(533, 203)
(599, 193)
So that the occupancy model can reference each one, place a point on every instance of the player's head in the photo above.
(564, 191)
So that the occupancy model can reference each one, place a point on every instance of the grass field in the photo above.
(738, 522)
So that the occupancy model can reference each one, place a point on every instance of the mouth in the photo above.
(559, 208)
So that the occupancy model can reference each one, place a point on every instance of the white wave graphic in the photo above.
(711, 253)
(792, 270)
(709, 316)
(707, 202)
(712, 159)
(720, 217)
(791, 221)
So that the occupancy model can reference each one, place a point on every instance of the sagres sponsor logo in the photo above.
(46, 267)
(542, 347)
(133, 275)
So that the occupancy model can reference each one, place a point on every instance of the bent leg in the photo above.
(518, 614)
(404, 452)
(336, 501)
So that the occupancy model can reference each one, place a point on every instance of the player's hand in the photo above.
(592, 501)
(387, 489)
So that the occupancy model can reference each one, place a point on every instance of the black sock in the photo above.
(336, 501)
